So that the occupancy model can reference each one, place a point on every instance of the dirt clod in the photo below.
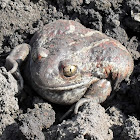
(35, 120)
(91, 123)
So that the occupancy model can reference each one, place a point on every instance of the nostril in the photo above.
(42, 52)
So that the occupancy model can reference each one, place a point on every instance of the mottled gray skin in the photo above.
(101, 62)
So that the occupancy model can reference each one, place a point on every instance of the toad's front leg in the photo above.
(98, 92)
(15, 58)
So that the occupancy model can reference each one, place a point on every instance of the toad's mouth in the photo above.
(87, 83)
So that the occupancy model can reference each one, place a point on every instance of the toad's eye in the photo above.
(69, 70)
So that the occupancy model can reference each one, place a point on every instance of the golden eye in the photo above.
(70, 70)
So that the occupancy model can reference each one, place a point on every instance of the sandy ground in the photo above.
(24, 115)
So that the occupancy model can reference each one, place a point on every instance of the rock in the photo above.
(9, 128)
(131, 130)
(90, 17)
(116, 3)
(24, 15)
(35, 120)
(90, 123)
(8, 102)
(117, 33)
(132, 21)
(117, 119)
(100, 5)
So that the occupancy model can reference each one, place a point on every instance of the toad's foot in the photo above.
(15, 58)
(80, 103)
(98, 92)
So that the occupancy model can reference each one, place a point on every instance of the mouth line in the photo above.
(70, 87)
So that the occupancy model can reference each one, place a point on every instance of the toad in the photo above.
(70, 63)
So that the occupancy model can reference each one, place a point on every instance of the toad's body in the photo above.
(67, 61)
